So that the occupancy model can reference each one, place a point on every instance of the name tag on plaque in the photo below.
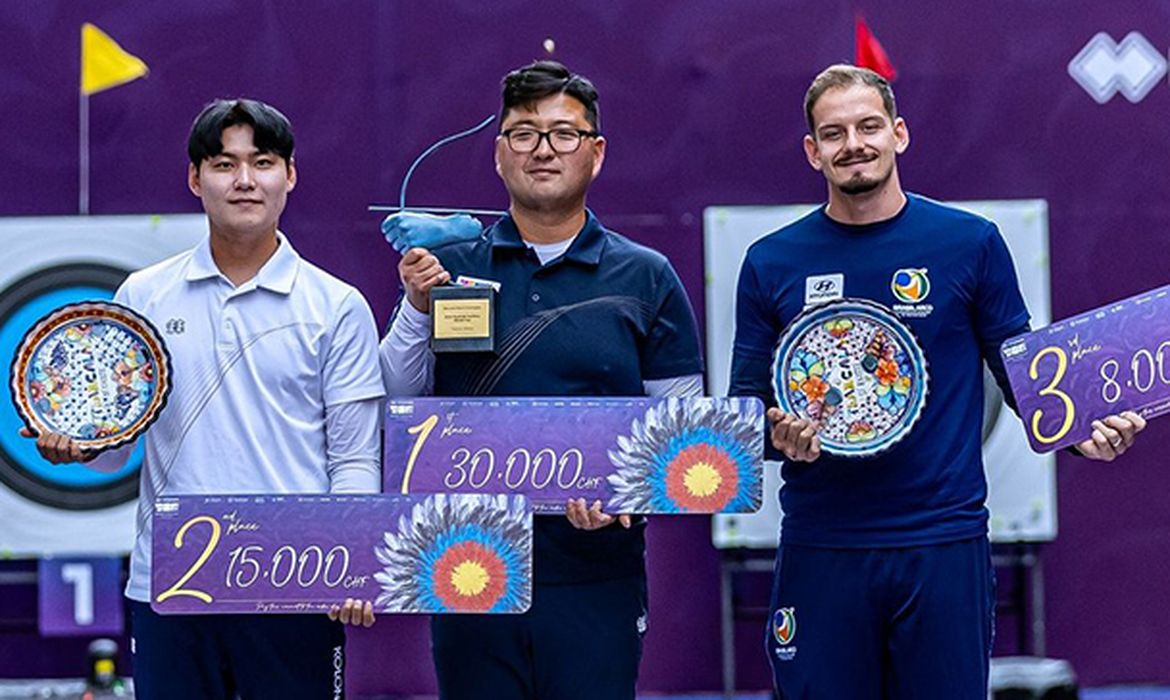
(303, 554)
(635, 455)
(1112, 359)
(463, 319)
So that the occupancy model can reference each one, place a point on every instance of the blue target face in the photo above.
(72, 486)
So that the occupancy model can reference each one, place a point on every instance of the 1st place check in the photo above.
(635, 455)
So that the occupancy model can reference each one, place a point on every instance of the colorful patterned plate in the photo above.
(95, 371)
(856, 368)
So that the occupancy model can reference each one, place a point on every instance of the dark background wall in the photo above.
(701, 102)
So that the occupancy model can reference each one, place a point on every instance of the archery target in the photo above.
(51, 261)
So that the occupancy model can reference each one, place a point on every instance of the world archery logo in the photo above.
(784, 625)
(910, 285)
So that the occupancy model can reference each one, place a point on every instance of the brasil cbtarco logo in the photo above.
(784, 625)
(910, 285)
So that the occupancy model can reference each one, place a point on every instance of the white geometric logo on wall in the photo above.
(1104, 68)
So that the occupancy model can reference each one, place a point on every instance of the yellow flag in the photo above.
(104, 64)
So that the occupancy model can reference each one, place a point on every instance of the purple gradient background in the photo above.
(702, 106)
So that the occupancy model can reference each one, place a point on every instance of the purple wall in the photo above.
(701, 104)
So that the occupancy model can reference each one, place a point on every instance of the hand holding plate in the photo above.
(794, 436)
(57, 448)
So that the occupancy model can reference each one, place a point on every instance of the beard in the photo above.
(862, 184)
(859, 185)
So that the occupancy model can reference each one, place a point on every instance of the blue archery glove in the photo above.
(411, 229)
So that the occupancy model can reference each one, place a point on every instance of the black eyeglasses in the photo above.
(562, 141)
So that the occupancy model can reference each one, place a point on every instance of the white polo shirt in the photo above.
(255, 368)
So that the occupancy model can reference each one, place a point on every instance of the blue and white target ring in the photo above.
(72, 487)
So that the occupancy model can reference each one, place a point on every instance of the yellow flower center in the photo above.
(469, 578)
(702, 479)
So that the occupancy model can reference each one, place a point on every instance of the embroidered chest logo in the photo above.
(911, 286)
(822, 288)
(176, 326)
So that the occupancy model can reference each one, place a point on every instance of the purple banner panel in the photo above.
(304, 554)
(1111, 359)
(635, 455)
(80, 596)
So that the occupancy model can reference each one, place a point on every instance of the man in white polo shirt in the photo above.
(277, 389)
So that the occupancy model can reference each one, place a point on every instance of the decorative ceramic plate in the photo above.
(853, 366)
(95, 371)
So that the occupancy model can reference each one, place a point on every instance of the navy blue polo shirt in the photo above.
(597, 321)
(930, 487)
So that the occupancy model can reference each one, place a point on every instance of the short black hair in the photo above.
(540, 79)
(271, 130)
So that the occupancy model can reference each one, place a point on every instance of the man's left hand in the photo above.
(586, 518)
(1112, 436)
(354, 612)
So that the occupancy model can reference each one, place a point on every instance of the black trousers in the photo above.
(577, 642)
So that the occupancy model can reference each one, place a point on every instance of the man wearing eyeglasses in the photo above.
(582, 311)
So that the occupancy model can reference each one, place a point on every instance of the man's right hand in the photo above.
(795, 437)
(57, 448)
(420, 272)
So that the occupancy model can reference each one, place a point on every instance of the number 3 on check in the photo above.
(1070, 408)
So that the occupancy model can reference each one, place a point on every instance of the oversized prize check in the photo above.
(304, 554)
(635, 455)
(1084, 368)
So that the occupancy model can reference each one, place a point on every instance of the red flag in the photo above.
(870, 54)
